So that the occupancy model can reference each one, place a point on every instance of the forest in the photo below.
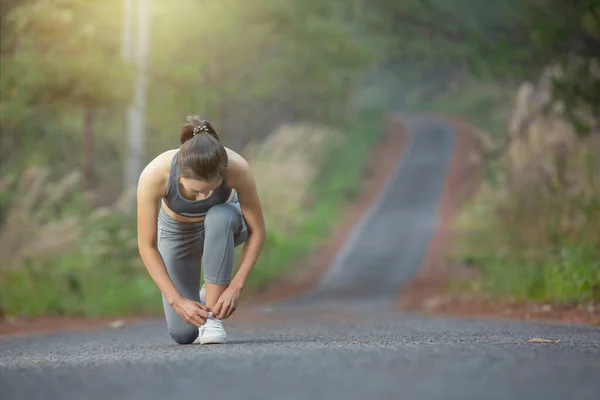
(91, 91)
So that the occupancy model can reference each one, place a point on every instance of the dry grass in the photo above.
(43, 222)
(81, 260)
(78, 259)
(285, 165)
(39, 221)
(535, 235)
(33, 227)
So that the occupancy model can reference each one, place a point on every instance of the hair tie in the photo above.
(197, 129)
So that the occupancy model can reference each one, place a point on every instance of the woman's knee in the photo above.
(219, 218)
(185, 335)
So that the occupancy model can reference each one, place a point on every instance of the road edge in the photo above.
(383, 161)
(304, 275)
(426, 292)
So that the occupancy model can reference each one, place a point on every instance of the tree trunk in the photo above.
(88, 148)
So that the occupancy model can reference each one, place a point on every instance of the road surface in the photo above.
(341, 340)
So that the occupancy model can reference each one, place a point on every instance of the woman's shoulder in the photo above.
(238, 169)
(235, 159)
(162, 162)
(157, 170)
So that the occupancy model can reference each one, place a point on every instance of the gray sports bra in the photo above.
(193, 208)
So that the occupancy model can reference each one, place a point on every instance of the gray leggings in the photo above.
(185, 246)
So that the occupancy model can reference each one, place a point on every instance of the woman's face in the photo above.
(199, 186)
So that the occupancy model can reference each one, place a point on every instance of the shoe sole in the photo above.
(212, 340)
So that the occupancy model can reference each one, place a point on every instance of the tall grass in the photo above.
(62, 256)
(536, 236)
(337, 182)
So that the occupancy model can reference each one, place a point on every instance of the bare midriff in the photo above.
(181, 218)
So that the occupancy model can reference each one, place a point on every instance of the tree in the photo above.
(225, 57)
(505, 40)
(57, 56)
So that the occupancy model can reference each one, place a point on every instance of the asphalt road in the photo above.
(343, 340)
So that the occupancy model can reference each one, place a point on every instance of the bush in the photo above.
(336, 181)
(62, 256)
(535, 237)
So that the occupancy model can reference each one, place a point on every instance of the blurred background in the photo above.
(91, 90)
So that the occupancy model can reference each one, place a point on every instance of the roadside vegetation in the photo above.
(68, 233)
(533, 231)
(314, 78)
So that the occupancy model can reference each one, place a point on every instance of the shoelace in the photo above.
(214, 325)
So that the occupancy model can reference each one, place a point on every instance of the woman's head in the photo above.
(202, 159)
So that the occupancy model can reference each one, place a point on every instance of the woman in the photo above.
(208, 205)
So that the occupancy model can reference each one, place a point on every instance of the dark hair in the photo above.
(202, 156)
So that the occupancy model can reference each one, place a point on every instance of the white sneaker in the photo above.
(203, 302)
(199, 338)
(212, 332)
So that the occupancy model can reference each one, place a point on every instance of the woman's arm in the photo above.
(148, 199)
(147, 215)
(240, 177)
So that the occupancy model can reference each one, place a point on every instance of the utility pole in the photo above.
(126, 35)
(136, 113)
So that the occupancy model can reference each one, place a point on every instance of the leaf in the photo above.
(540, 340)
(591, 23)
(117, 324)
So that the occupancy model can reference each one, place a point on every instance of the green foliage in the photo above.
(506, 41)
(533, 245)
(100, 275)
(339, 183)
(556, 34)
(62, 54)
(66, 287)
(59, 57)
(571, 276)
(248, 67)
(227, 56)
(104, 276)
(574, 276)
(482, 103)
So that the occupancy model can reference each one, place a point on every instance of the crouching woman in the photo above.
(195, 204)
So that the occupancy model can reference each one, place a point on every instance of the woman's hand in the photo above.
(191, 311)
(227, 303)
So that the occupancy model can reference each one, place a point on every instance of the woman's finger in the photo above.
(202, 306)
(201, 313)
(224, 311)
(195, 320)
(217, 308)
(203, 317)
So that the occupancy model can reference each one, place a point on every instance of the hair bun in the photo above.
(187, 132)
(202, 128)
(196, 125)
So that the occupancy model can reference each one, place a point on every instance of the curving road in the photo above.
(342, 340)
